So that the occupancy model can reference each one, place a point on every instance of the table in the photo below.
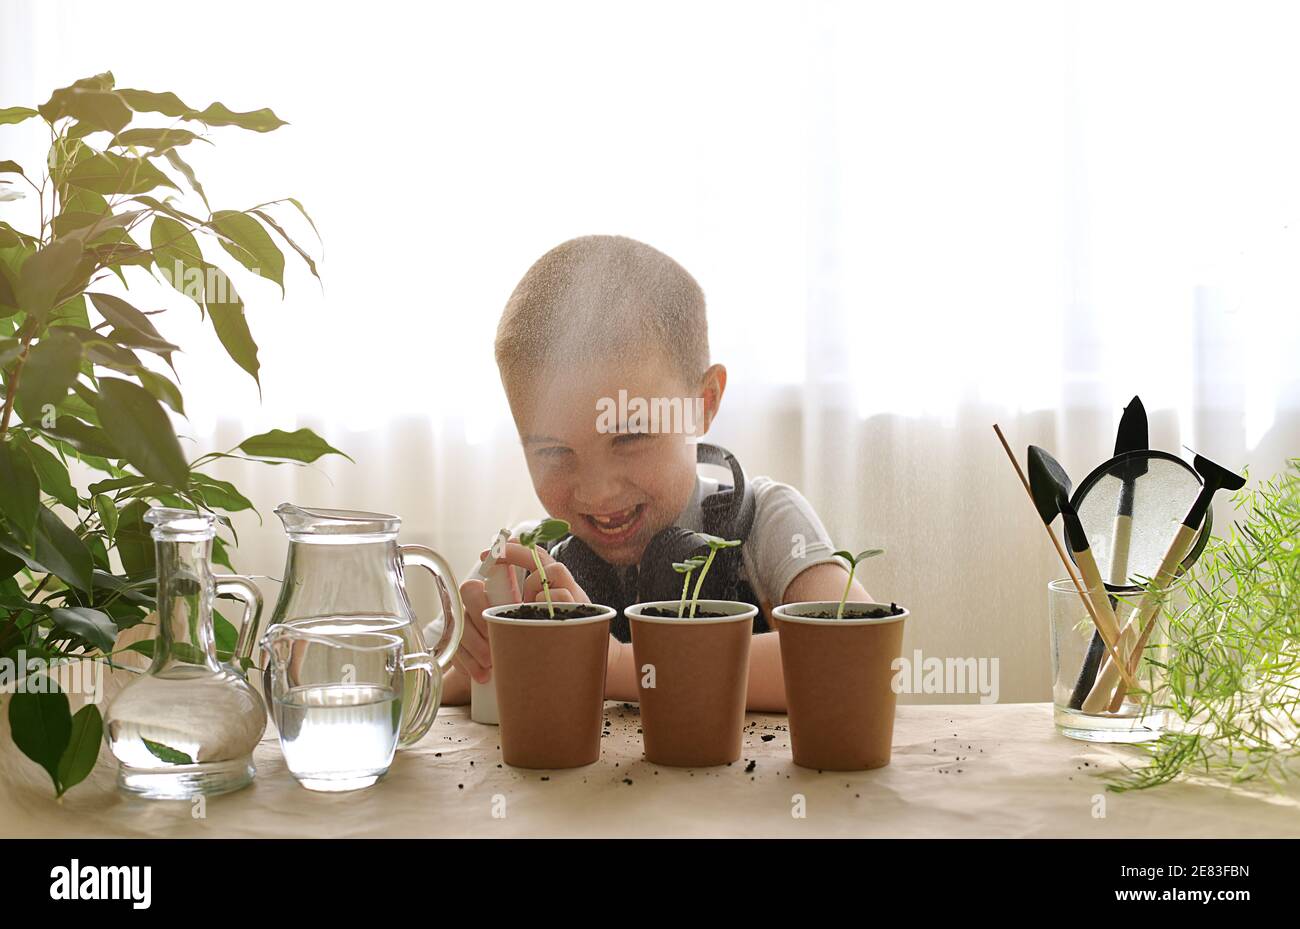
(966, 770)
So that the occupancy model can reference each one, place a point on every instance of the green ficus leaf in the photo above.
(178, 258)
(78, 759)
(180, 164)
(311, 263)
(15, 114)
(61, 552)
(51, 368)
(83, 438)
(218, 114)
(89, 624)
(141, 430)
(52, 473)
(145, 101)
(162, 388)
(218, 494)
(20, 490)
(110, 174)
(41, 725)
(94, 108)
(247, 242)
(50, 273)
(226, 310)
(107, 512)
(167, 753)
(130, 326)
(158, 140)
(302, 445)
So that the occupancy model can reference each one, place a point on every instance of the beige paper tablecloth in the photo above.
(957, 771)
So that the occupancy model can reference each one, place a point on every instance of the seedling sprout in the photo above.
(715, 545)
(548, 530)
(687, 568)
(853, 561)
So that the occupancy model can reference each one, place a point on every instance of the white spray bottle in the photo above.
(500, 590)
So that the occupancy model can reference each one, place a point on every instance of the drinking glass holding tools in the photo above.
(345, 569)
(188, 725)
(336, 696)
(1131, 719)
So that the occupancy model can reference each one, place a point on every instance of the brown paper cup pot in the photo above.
(839, 685)
(694, 715)
(550, 683)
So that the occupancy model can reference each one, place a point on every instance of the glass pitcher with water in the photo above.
(188, 725)
(345, 570)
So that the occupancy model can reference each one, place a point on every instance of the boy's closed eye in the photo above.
(631, 440)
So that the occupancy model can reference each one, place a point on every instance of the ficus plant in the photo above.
(851, 561)
(715, 545)
(548, 530)
(87, 380)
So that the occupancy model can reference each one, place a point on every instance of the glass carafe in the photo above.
(188, 725)
(345, 569)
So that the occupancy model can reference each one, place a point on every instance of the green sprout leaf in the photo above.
(852, 561)
(716, 545)
(548, 530)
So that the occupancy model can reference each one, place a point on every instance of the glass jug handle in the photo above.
(245, 591)
(425, 557)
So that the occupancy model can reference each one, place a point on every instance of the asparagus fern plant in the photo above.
(1232, 661)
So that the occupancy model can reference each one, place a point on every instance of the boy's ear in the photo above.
(712, 386)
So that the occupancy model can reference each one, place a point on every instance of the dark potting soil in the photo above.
(659, 612)
(539, 611)
(878, 613)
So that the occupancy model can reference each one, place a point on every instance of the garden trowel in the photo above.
(1142, 620)
(1132, 436)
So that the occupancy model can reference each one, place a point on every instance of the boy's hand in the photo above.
(474, 656)
(558, 575)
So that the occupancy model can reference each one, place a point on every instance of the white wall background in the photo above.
(910, 219)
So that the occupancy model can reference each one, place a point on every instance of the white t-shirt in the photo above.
(786, 539)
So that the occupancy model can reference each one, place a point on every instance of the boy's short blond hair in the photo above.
(599, 297)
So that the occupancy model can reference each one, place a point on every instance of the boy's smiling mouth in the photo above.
(618, 526)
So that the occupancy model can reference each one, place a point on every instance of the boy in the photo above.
(595, 316)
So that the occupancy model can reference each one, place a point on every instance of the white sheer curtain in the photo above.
(910, 219)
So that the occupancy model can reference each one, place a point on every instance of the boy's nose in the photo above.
(599, 494)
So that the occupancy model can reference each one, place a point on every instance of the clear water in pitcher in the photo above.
(338, 736)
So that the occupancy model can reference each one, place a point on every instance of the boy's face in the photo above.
(616, 489)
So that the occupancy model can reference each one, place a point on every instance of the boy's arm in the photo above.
(455, 687)
(766, 681)
(620, 673)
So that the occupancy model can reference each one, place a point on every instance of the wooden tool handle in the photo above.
(1140, 623)
(1109, 642)
(1097, 594)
